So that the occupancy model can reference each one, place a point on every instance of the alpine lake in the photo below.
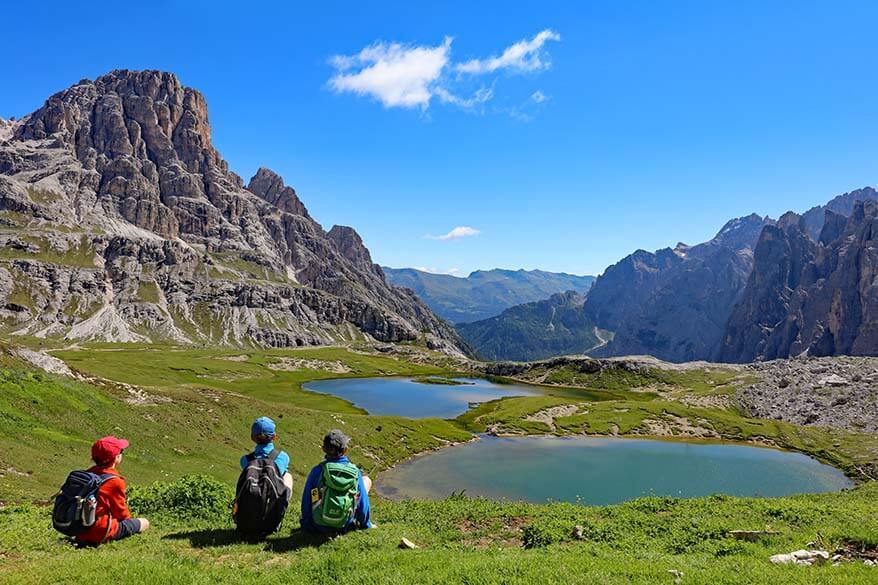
(588, 470)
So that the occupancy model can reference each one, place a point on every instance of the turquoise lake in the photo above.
(595, 470)
(408, 398)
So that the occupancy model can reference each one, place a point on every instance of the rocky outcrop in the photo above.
(814, 219)
(350, 244)
(809, 297)
(270, 186)
(123, 221)
(673, 304)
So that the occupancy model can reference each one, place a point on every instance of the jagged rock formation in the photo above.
(121, 221)
(350, 244)
(557, 326)
(813, 219)
(673, 304)
(809, 292)
(810, 297)
(484, 293)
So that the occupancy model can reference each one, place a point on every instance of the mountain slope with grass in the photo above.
(187, 413)
(120, 221)
(556, 326)
(484, 293)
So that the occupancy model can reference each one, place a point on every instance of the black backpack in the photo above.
(74, 509)
(261, 498)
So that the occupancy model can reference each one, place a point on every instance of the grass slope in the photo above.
(189, 410)
(461, 541)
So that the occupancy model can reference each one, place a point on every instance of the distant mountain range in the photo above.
(484, 293)
(810, 292)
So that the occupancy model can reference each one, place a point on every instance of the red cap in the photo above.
(105, 450)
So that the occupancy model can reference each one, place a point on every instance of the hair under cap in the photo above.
(335, 442)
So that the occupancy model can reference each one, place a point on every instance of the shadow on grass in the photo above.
(226, 536)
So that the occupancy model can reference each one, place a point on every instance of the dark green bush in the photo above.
(191, 497)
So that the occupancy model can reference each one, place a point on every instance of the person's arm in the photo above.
(243, 461)
(117, 504)
(307, 520)
(363, 513)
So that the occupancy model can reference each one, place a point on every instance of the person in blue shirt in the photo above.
(335, 449)
(264, 433)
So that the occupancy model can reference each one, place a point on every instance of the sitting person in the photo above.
(265, 485)
(336, 494)
(113, 521)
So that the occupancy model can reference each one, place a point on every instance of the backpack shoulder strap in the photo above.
(250, 457)
(273, 455)
(105, 477)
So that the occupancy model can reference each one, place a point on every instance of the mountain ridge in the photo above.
(484, 293)
(154, 238)
(677, 303)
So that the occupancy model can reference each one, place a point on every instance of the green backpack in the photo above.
(336, 497)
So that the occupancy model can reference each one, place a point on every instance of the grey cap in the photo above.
(335, 442)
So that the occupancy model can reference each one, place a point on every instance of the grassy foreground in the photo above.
(460, 540)
(188, 411)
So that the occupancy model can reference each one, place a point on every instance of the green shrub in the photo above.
(191, 497)
(546, 531)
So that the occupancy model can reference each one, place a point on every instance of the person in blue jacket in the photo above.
(263, 432)
(335, 449)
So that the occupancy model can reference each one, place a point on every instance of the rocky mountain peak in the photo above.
(741, 232)
(171, 241)
(814, 219)
(351, 246)
(270, 186)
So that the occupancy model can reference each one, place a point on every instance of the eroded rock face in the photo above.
(350, 244)
(673, 304)
(809, 297)
(138, 230)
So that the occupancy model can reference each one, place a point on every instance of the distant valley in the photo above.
(484, 293)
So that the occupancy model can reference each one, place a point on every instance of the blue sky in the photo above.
(656, 122)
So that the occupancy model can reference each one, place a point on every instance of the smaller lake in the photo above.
(408, 398)
(597, 470)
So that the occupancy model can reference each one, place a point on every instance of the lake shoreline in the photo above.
(818, 471)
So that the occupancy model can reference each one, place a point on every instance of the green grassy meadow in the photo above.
(187, 414)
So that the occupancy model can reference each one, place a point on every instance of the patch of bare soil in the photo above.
(288, 364)
(547, 416)
(140, 397)
(235, 358)
(677, 426)
(508, 533)
(707, 400)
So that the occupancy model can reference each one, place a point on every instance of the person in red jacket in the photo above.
(113, 521)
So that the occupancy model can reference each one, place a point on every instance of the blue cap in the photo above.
(263, 426)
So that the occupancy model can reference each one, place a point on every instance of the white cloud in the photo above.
(398, 76)
(479, 97)
(462, 231)
(538, 97)
(449, 272)
(525, 55)
(407, 76)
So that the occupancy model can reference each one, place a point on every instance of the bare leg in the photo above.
(367, 483)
